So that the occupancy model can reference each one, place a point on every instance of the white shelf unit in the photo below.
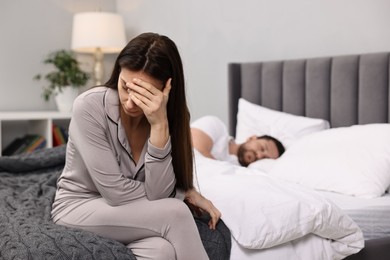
(18, 124)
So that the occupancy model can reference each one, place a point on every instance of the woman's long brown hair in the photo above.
(158, 56)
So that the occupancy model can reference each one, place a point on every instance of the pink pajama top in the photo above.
(99, 161)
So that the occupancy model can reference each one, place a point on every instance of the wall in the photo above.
(212, 33)
(29, 30)
(208, 33)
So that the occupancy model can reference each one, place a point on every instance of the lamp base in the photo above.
(98, 67)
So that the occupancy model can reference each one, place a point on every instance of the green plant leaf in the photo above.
(66, 72)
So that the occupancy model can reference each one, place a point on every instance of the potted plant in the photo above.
(66, 79)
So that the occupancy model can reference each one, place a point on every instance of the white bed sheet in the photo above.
(372, 215)
(308, 247)
(269, 218)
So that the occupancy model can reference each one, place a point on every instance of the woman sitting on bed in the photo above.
(210, 137)
(129, 158)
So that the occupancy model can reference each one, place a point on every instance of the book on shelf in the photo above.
(27, 143)
(60, 135)
(13, 146)
(64, 134)
(38, 143)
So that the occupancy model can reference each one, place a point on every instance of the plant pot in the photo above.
(65, 98)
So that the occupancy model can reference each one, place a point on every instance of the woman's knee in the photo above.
(178, 210)
(153, 248)
(165, 250)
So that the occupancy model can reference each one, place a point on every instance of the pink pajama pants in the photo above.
(159, 229)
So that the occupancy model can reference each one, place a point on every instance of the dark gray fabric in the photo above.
(345, 90)
(318, 78)
(27, 162)
(375, 249)
(294, 78)
(271, 85)
(27, 232)
(27, 188)
(374, 88)
(216, 242)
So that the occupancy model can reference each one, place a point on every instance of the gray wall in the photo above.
(29, 30)
(209, 34)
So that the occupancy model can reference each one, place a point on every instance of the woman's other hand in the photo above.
(200, 204)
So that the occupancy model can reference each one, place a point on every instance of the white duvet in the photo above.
(263, 213)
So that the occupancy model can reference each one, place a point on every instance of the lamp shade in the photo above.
(93, 30)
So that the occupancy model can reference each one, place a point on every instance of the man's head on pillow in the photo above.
(259, 147)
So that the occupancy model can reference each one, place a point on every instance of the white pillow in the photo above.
(349, 160)
(257, 120)
(264, 165)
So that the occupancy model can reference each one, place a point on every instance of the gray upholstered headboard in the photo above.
(344, 90)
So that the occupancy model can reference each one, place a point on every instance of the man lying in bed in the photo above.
(210, 137)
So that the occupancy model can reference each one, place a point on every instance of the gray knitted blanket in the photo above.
(27, 188)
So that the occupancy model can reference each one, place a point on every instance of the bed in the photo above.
(350, 90)
(27, 188)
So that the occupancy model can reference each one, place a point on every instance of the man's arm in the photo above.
(202, 142)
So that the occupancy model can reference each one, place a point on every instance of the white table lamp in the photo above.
(98, 33)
